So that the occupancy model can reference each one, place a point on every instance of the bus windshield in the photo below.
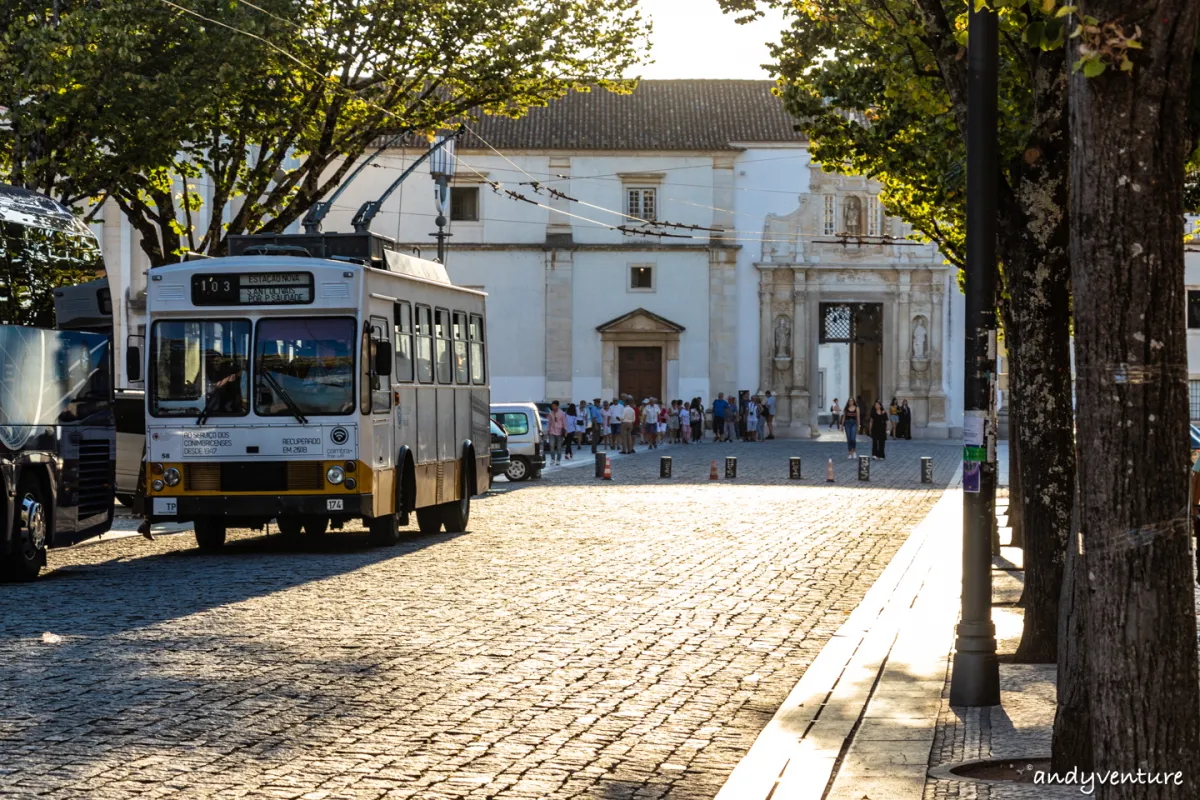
(310, 360)
(199, 366)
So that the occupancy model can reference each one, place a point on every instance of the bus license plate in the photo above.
(165, 506)
(334, 504)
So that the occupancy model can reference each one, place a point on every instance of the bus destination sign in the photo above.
(253, 289)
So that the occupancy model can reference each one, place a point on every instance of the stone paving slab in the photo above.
(591, 639)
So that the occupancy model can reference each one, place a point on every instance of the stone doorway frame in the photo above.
(639, 328)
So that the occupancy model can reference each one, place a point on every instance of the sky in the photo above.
(694, 39)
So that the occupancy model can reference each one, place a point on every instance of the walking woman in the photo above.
(850, 421)
(894, 419)
(835, 415)
(751, 420)
(879, 429)
(572, 422)
(905, 421)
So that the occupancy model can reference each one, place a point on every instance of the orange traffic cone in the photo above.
(608, 468)
(829, 472)
(712, 473)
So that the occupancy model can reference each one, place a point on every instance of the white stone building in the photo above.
(789, 278)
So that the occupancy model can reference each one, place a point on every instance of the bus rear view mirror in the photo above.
(383, 359)
(133, 363)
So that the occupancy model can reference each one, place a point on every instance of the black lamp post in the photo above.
(975, 680)
(441, 169)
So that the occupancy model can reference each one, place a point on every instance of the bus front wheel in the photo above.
(384, 531)
(210, 535)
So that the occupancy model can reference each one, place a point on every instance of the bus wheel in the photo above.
(429, 520)
(384, 532)
(316, 526)
(29, 534)
(290, 527)
(210, 535)
(456, 515)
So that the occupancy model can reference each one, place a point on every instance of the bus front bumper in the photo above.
(265, 507)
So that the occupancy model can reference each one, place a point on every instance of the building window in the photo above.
(1194, 398)
(641, 203)
(874, 217)
(1193, 308)
(830, 226)
(641, 277)
(464, 203)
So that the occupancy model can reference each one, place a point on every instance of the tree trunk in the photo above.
(1128, 148)
(1038, 268)
(1072, 743)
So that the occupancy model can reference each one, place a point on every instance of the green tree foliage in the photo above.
(259, 109)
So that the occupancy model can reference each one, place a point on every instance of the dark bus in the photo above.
(57, 441)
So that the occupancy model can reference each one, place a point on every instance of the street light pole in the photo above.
(442, 164)
(975, 680)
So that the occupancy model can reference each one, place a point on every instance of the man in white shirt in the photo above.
(614, 424)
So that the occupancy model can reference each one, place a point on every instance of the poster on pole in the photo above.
(970, 477)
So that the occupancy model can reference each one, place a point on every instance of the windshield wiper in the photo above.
(210, 405)
(284, 396)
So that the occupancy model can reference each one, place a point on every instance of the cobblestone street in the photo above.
(624, 639)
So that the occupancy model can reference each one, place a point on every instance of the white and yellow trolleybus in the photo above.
(314, 391)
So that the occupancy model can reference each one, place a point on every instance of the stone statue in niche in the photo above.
(920, 336)
(853, 218)
(783, 338)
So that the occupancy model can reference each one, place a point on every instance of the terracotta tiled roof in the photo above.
(659, 115)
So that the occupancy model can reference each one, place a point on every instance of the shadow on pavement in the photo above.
(139, 591)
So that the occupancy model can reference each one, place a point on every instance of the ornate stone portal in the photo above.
(900, 287)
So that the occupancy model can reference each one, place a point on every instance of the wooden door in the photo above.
(640, 372)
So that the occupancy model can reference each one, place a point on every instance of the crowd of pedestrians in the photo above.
(623, 424)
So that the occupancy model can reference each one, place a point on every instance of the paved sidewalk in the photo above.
(862, 720)
(871, 719)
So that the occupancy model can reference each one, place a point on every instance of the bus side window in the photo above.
(381, 389)
(460, 348)
(424, 344)
(404, 343)
(445, 373)
(478, 364)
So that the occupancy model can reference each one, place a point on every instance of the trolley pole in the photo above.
(975, 680)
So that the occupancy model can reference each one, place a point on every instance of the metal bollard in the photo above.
(730, 467)
(600, 459)
(864, 468)
(926, 469)
(664, 467)
(794, 468)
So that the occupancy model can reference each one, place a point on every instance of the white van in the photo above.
(525, 445)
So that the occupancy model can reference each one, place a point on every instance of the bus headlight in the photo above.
(171, 476)
(157, 485)
(335, 475)
(351, 484)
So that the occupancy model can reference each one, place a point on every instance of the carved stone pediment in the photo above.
(640, 321)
